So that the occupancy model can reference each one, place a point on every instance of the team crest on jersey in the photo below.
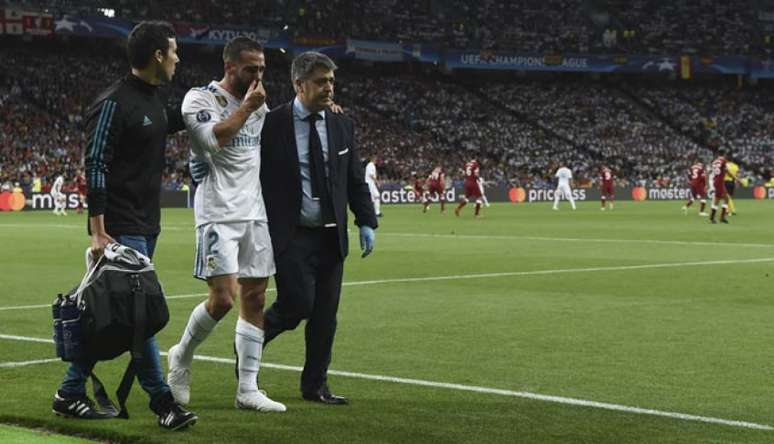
(221, 100)
(203, 116)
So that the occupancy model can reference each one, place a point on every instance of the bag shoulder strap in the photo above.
(140, 316)
(124, 388)
(138, 343)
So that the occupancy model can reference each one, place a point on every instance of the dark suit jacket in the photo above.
(281, 177)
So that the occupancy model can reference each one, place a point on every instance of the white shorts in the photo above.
(564, 191)
(240, 248)
(374, 191)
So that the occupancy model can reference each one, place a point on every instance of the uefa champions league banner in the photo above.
(602, 63)
(220, 35)
(335, 51)
(762, 69)
(113, 27)
(558, 62)
(374, 51)
(92, 26)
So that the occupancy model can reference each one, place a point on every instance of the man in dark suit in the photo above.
(310, 171)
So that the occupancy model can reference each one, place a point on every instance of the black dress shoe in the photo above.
(324, 395)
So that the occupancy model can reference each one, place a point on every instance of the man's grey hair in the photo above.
(305, 63)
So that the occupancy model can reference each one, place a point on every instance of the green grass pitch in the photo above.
(641, 307)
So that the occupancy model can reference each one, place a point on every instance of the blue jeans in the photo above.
(149, 372)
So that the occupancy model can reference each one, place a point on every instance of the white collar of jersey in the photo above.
(223, 91)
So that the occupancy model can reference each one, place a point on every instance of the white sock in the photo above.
(249, 345)
(200, 324)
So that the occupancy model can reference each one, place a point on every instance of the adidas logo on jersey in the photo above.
(147, 121)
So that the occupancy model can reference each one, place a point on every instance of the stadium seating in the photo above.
(520, 129)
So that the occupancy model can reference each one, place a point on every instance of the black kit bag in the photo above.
(118, 305)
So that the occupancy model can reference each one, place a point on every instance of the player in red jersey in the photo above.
(698, 180)
(80, 184)
(436, 185)
(472, 188)
(718, 175)
(606, 188)
(418, 187)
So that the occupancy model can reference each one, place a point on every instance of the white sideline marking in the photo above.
(79, 227)
(26, 363)
(577, 239)
(478, 389)
(486, 275)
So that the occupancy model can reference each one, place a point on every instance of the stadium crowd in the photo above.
(628, 26)
(519, 130)
(697, 26)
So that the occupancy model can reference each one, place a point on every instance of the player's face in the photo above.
(248, 69)
(168, 62)
(316, 92)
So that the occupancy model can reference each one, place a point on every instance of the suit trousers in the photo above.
(308, 280)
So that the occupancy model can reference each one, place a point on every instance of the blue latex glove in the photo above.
(367, 239)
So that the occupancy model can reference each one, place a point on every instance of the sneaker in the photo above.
(703, 214)
(171, 415)
(76, 407)
(176, 418)
(258, 400)
(179, 376)
(724, 220)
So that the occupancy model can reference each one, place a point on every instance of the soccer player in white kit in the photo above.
(372, 180)
(233, 247)
(60, 200)
(564, 176)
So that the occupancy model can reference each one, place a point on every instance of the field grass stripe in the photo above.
(487, 275)
(468, 236)
(483, 390)
(559, 271)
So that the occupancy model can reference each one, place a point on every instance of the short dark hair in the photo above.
(145, 39)
(304, 65)
(235, 46)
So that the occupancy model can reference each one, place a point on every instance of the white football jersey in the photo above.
(231, 192)
(58, 184)
(564, 175)
(370, 173)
